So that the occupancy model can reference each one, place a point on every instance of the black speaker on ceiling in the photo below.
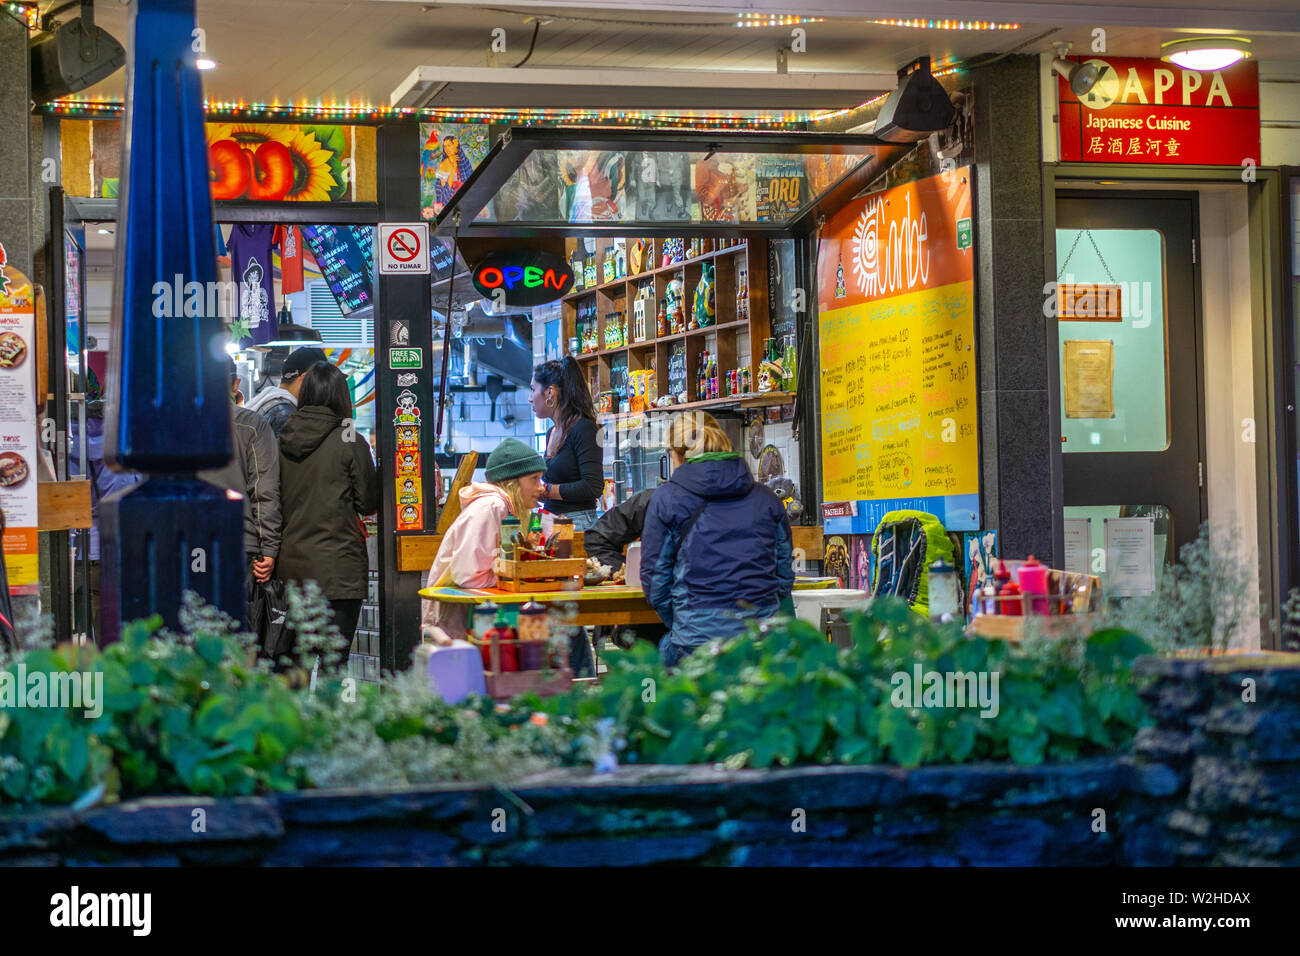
(73, 55)
(919, 107)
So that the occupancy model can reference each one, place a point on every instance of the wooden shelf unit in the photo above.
(724, 340)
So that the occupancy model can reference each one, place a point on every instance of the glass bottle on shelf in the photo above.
(661, 320)
(788, 363)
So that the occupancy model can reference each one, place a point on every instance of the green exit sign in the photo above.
(405, 358)
(964, 237)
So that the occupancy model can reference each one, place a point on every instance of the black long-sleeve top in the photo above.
(617, 528)
(577, 470)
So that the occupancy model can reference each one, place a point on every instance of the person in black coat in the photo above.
(327, 482)
(605, 540)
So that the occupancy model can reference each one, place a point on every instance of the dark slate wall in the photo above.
(1212, 781)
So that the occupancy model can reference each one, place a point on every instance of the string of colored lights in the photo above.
(773, 20)
(27, 12)
(779, 20)
(337, 112)
(364, 114)
(947, 24)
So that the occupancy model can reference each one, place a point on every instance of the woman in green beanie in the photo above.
(464, 559)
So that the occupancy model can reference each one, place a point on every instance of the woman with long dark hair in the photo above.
(575, 474)
(327, 481)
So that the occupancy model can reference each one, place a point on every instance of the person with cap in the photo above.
(277, 403)
(464, 559)
(254, 472)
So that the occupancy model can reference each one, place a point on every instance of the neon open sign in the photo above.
(522, 277)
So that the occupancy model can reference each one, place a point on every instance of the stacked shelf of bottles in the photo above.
(671, 322)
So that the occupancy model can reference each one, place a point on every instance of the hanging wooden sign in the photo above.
(1089, 302)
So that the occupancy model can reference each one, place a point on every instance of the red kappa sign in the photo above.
(1153, 112)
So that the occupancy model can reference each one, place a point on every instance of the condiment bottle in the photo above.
(484, 615)
(533, 622)
(505, 635)
(1011, 590)
(509, 527)
(1001, 578)
(1032, 579)
(563, 537)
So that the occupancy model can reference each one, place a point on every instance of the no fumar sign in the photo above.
(403, 248)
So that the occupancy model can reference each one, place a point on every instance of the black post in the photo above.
(172, 533)
(403, 318)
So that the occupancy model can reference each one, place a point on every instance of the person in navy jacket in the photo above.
(716, 548)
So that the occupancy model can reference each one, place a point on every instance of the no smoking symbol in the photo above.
(403, 245)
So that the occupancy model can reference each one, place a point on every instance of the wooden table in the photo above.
(601, 604)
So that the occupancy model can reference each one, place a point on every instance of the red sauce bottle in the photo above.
(506, 635)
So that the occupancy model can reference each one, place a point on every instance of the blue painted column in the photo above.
(169, 409)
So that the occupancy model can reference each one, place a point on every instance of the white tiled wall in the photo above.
(477, 432)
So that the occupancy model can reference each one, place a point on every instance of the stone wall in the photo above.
(1213, 781)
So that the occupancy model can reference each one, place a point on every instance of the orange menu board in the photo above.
(896, 303)
(18, 449)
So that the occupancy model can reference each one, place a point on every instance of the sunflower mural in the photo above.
(273, 162)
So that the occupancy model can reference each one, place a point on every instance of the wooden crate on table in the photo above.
(1081, 591)
(550, 574)
(505, 684)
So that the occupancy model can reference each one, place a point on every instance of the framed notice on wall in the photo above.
(896, 306)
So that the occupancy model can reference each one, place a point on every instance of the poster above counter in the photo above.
(897, 329)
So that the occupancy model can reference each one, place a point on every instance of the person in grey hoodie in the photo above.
(277, 403)
(327, 482)
(254, 472)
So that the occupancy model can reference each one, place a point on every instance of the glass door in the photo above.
(1129, 358)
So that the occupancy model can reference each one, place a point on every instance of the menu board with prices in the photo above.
(18, 448)
(346, 257)
(897, 324)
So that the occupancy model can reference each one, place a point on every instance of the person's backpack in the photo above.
(904, 546)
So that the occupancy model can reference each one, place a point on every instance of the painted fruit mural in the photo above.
(274, 162)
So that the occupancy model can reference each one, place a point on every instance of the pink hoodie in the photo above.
(464, 558)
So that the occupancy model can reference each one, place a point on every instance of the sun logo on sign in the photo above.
(866, 248)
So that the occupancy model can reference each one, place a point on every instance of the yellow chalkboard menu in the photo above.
(897, 328)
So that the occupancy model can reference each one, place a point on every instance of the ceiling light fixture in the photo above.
(1205, 53)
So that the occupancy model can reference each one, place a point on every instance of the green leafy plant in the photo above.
(1203, 601)
(784, 696)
